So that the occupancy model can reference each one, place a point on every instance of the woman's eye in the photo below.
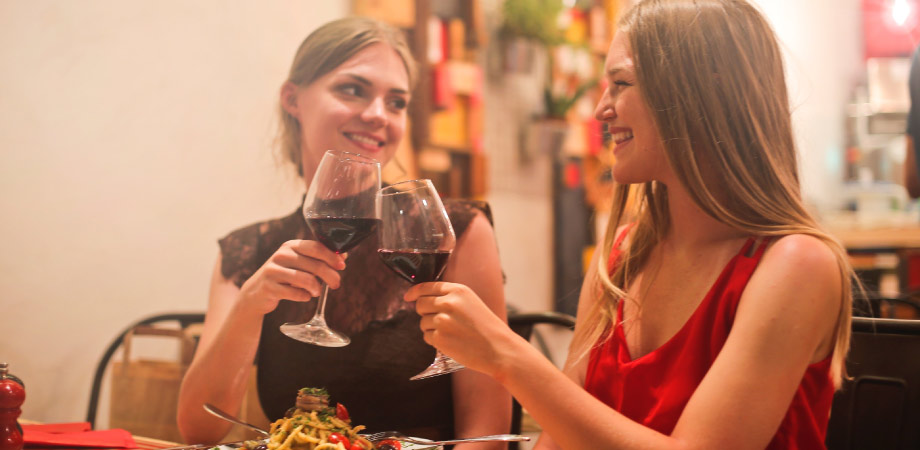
(350, 89)
(622, 83)
(399, 103)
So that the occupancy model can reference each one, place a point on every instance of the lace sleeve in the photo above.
(238, 251)
(245, 250)
(462, 212)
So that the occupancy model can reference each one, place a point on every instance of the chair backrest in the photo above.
(874, 304)
(524, 325)
(143, 326)
(879, 407)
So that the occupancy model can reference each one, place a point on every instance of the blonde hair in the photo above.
(322, 51)
(711, 73)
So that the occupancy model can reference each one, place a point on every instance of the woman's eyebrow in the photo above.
(613, 71)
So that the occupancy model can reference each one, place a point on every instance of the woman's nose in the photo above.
(604, 110)
(375, 113)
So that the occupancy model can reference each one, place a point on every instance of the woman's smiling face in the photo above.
(639, 154)
(359, 107)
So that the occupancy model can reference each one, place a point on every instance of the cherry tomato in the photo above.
(389, 444)
(357, 446)
(335, 438)
(341, 412)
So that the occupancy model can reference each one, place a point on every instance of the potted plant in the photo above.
(528, 27)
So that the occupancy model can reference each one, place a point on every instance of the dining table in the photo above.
(78, 435)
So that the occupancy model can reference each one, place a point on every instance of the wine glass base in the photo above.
(440, 366)
(316, 335)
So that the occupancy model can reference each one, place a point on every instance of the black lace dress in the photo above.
(370, 376)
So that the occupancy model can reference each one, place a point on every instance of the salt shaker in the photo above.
(12, 394)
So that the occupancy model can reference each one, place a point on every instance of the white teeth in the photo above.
(621, 136)
(364, 139)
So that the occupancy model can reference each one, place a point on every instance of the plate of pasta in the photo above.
(314, 425)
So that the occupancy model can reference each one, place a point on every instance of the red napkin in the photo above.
(77, 434)
(73, 427)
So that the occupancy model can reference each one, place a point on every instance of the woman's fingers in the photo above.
(303, 280)
(434, 289)
(297, 294)
(302, 271)
(315, 250)
(309, 260)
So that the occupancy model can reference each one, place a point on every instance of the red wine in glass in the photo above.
(416, 238)
(340, 209)
(341, 234)
(415, 266)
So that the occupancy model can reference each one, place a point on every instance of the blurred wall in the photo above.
(132, 136)
(824, 48)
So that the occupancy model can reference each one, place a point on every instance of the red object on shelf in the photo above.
(891, 28)
(573, 175)
(912, 261)
(12, 395)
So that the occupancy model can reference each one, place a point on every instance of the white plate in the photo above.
(239, 445)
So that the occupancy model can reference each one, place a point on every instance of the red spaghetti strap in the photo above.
(762, 247)
(615, 249)
(619, 239)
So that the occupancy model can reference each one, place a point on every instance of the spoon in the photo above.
(229, 418)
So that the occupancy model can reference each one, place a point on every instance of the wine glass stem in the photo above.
(319, 317)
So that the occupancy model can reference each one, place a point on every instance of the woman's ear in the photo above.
(289, 98)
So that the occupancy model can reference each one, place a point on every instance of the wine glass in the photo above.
(416, 239)
(340, 209)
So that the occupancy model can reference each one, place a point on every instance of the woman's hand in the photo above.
(294, 272)
(457, 322)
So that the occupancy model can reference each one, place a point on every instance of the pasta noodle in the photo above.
(310, 430)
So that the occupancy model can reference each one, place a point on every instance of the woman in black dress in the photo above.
(348, 90)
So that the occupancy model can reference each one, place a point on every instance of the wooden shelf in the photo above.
(447, 120)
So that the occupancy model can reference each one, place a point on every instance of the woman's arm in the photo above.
(481, 405)
(220, 369)
(785, 321)
(576, 361)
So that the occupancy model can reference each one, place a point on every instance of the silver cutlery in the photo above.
(226, 416)
(376, 437)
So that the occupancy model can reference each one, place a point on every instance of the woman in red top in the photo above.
(719, 318)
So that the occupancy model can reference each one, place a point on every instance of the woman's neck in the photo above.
(690, 226)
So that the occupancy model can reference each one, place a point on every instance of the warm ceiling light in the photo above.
(900, 11)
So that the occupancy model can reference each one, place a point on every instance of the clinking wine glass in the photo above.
(416, 239)
(340, 209)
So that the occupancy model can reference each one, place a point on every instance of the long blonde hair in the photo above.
(711, 73)
(323, 50)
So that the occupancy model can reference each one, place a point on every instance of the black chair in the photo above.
(873, 304)
(523, 324)
(879, 407)
(184, 320)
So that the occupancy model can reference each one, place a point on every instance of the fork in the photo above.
(375, 437)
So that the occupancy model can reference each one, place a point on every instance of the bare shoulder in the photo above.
(475, 263)
(479, 230)
(799, 274)
(801, 254)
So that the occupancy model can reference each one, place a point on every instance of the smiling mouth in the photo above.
(621, 137)
(364, 140)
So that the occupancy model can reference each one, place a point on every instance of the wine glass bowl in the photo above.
(416, 239)
(340, 210)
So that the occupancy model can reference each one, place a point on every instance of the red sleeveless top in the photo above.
(654, 389)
